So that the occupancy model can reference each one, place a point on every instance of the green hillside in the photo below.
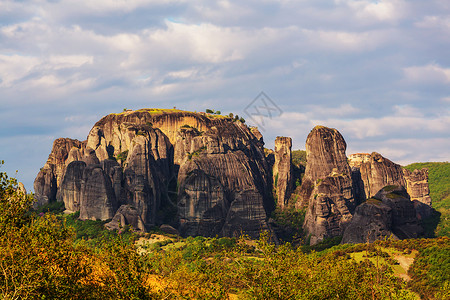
(439, 181)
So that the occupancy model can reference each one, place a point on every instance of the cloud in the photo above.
(405, 121)
(434, 22)
(381, 11)
(376, 70)
(428, 74)
(344, 110)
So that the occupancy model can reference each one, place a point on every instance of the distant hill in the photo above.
(439, 182)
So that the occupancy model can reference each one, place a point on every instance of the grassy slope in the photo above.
(439, 181)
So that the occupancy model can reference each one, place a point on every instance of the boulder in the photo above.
(126, 215)
(168, 229)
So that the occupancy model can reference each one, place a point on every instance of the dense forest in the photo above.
(45, 254)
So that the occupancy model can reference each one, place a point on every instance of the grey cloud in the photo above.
(374, 71)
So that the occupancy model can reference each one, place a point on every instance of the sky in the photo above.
(378, 71)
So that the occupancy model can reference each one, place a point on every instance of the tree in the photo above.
(209, 111)
(13, 203)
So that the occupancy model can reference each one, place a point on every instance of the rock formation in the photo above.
(208, 175)
(209, 169)
(327, 185)
(379, 172)
(49, 178)
(373, 172)
(390, 213)
(282, 170)
(417, 185)
(372, 221)
(357, 159)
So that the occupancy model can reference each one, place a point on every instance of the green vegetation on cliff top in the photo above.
(160, 111)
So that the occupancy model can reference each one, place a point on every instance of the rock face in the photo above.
(223, 182)
(50, 176)
(355, 160)
(372, 221)
(327, 185)
(325, 148)
(405, 224)
(417, 185)
(282, 170)
(137, 165)
(379, 172)
(389, 213)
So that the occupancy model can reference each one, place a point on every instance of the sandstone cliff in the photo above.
(390, 213)
(417, 185)
(50, 176)
(379, 172)
(210, 169)
(282, 170)
(372, 172)
(327, 185)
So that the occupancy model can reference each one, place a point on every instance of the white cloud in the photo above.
(398, 124)
(15, 67)
(381, 11)
(431, 73)
(69, 61)
(345, 41)
(430, 22)
(344, 110)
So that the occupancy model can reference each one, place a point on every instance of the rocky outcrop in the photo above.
(330, 209)
(372, 221)
(50, 176)
(223, 183)
(72, 186)
(327, 185)
(417, 185)
(405, 224)
(379, 172)
(390, 213)
(357, 159)
(212, 169)
(325, 148)
(127, 215)
(282, 170)
(373, 172)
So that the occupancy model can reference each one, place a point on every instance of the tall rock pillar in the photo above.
(327, 185)
(282, 170)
